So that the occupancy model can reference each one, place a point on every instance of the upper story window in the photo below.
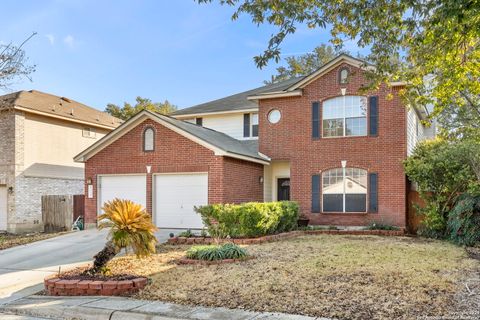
(250, 125)
(344, 190)
(89, 133)
(343, 76)
(345, 116)
(149, 139)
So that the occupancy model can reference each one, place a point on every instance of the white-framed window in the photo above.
(344, 116)
(343, 76)
(89, 133)
(149, 139)
(274, 116)
(250, 125)
(344, 190)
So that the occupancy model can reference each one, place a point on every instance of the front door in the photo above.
(283, 189)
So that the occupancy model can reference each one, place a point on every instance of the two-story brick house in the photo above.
(318, 140)
(40, 133)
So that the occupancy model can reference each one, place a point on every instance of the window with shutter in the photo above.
(246, 125)
(315, 120)
(373, 193)
(373, 115)
(316, 193)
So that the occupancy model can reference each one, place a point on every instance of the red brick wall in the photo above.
(241, 181)
(173, 153)
(291, 139)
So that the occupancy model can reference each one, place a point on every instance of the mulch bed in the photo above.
(281, 236)
(206, 262)
(78, 274)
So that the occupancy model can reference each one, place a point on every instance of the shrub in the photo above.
(464, 221)
(186, 234)
(213, 252)
(381, 226)
(443, 170)
(130, 226)
(251, 219)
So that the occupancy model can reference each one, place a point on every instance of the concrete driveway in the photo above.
(23, 268)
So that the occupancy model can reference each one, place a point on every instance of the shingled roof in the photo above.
(237, 101)
(58, 107)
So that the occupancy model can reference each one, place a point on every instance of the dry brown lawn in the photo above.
(345, 277)
(8, 240)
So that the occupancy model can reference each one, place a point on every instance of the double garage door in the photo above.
(173, 196)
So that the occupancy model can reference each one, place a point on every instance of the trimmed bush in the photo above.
(381, 226)
(251, 219)
(212, 252)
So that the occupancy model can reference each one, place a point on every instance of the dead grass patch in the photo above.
(345, 277)
(9, 240)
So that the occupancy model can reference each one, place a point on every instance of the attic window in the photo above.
(149, 139)
(89, 133)
(343, 75)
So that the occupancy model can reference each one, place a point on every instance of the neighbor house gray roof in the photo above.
(248, 148)
(43, 170)
(237, 101)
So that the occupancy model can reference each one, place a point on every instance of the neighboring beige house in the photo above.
(40, 134)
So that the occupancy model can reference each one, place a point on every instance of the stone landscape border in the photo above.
(282, 236)
(62, 287)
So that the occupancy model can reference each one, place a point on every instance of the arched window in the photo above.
(343, 76)
(345, 116)
(344, 190)
(149, 139)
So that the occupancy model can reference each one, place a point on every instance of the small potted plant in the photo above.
(303, 220)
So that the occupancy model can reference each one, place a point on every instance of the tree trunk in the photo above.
(104, 256)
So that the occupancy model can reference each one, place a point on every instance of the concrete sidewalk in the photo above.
(118, 308)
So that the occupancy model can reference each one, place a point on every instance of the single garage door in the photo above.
(3, 208)
(175, 196)
(129, 187)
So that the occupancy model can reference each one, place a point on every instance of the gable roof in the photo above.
(236, 102)
(50, 105)
(221, 143)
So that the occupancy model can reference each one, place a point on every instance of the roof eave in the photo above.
(278, 94)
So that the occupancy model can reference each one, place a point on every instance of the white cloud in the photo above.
(51, 38)
(69, 41)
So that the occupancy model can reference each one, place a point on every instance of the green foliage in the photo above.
(443, 170)
(408, 40)
(304, 64)
(381, 226)
(464, 221)
(130, 225)
(214, 252)
(186, 234)
(127, 111)
(249, 219)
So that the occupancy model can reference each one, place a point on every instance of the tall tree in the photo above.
(409, 41)
(128, 110)
(304, 64)
(14, 63)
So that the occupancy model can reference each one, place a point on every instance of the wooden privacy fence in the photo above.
(60, 211)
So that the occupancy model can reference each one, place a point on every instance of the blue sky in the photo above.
(100, 52)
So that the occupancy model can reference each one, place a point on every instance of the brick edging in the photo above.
(62, 287)
(281, 236)
(206, 262)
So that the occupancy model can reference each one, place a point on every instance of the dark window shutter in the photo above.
(246, 125)
(316, 193)
(373, 115)
(315, 120)
(373, 193)
(199, 121)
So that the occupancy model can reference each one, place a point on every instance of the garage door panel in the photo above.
(176, 195)
(129, 187)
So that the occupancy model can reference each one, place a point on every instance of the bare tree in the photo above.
(14, 63)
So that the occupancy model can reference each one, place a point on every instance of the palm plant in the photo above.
(130, 226)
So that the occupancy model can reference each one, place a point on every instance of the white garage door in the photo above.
(3, 208)
(128, 187)
(175, 196)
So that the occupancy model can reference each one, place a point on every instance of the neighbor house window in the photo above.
(344, 190)
(88, 133)
(148, 139)
(254, 124)
(345, 116)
